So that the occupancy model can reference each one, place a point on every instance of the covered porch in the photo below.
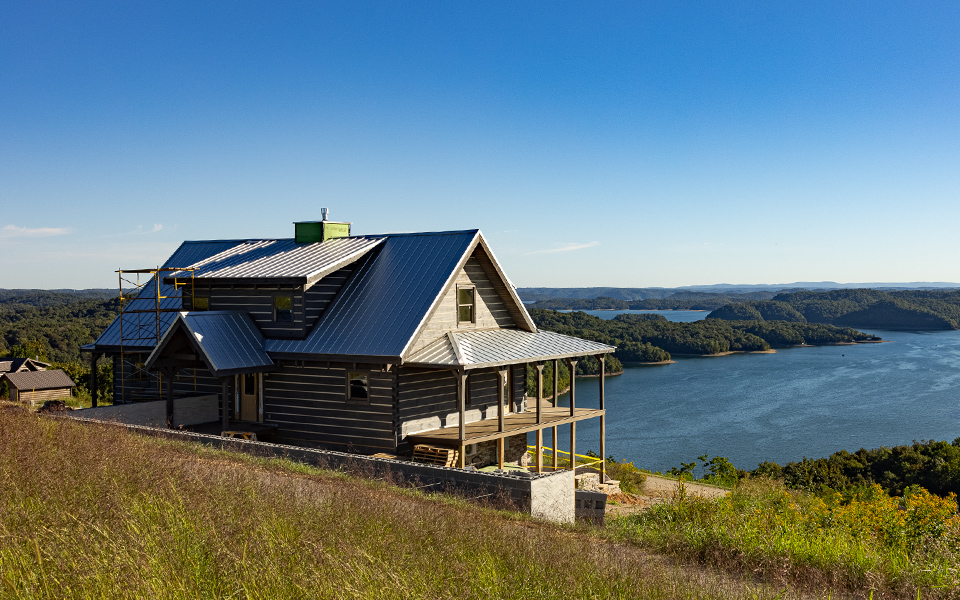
(464, 352)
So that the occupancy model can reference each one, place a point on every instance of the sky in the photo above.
(631, 144)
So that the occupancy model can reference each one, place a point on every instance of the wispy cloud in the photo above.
(12, 231)
(140, 230)
(568, 247)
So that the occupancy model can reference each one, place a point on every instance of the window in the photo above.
(283, 309)
(201, 303)
(358, 386)
(466, 305)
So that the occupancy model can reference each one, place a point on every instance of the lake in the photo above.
(781, 407)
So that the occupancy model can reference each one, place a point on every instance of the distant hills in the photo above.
(534, 294)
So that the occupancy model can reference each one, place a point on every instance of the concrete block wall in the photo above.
(548, 496)
(186, 411)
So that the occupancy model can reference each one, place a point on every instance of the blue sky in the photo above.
(594, 143)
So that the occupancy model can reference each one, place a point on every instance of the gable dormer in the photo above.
(479, 297)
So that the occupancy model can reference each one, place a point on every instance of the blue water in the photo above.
(780, 407)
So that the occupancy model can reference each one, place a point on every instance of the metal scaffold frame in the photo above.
(140, 327)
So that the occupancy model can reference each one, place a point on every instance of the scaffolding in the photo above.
(141, 326)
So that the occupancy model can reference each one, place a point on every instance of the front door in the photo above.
(250, 397)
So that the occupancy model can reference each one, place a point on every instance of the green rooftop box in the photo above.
(308, 232)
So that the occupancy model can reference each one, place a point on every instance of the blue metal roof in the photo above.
(229, 341)
(187, 254)
(383, 305)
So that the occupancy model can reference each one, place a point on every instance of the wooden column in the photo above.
(462, 384)
(94, 383)
(169, 373)
(502, 375)
(603, 430)
(540, 451)
(556, 403)
(539, 366)
(572, 363)
(225, 404)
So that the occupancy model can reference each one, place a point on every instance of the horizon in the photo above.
(652, 145)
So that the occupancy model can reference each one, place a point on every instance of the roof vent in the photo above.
(310, 232)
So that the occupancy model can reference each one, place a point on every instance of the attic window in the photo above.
(283, 309)
(466, 304)
(358, 386)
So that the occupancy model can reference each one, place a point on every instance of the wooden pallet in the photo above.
(435, 455)
(243, 435)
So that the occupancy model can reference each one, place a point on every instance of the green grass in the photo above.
(870, 543)
(95, 512)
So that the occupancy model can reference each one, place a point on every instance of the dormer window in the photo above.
(283, 309)
(466, 304)
(201, 303)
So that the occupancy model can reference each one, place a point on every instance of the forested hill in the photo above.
(682, 300)
(652, 338)
(874, 309)
(53, 323)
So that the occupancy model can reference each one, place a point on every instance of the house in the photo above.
(36, 387)
(367, 344)
(17, 365)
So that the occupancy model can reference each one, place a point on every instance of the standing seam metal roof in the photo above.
(504, 346)
(383, 304)
(282, 259)
(187, 254)
(229, 341)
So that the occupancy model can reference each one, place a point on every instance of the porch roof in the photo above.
(497, 347)
(488, 429)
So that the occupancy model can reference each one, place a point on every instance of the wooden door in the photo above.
(250, 397)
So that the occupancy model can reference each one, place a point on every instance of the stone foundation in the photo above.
(485, 453)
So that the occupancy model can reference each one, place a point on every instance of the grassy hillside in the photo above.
(90, 512)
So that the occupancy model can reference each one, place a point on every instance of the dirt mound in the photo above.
(53, 406)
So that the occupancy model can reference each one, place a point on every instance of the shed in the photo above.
(36, 387)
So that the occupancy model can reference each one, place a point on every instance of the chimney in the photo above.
(310, 232)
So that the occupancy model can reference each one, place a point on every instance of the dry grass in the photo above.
(94, 512)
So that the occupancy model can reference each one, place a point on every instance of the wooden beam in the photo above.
(462, 384)
(603, 431)
(500, 453)
(572, 363)
(502, 378)
(225, 403)
(573, 445)
(169, 374)
(539, 450)
(94, 384)
(539, 366)
(553, 430)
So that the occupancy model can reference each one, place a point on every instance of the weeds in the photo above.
(94, 512)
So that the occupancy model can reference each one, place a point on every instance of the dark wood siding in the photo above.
(309, 406)
(257, 301)
(132, 389)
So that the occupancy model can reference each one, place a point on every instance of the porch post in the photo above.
(603, 431)
(169, 373)
(540, 450)
(501, 389)
(539, 366)
(225, 404)
(462, 404)
(94, 384)
(556, 402)
(572, 363)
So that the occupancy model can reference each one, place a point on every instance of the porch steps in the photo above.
(435, 455)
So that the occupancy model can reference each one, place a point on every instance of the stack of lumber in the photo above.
(435, 455)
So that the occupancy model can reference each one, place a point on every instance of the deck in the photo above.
(487, 429)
